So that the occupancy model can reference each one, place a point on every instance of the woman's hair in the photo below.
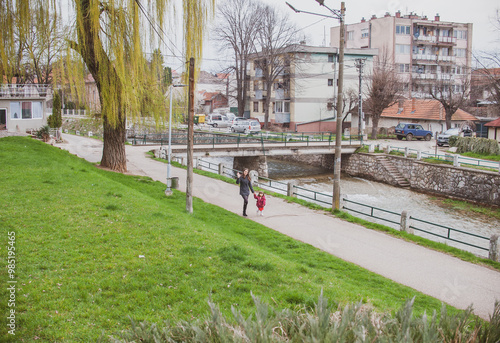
(248, 174)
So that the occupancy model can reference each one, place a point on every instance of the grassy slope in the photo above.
(80, 231)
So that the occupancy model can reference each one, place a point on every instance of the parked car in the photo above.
(217, 120)
(237, 119)
(246, 126)
(444, 138)
(411, 131)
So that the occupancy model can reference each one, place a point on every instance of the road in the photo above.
(446, 278)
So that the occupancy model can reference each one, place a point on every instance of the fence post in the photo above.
(499, 167)
(405, 222)
(494, 248)
(455, 161)
(388, 149)
(406, 152)
(221, 168)
(291, 188)
(196, 163)
(371, 148)
(419, 155)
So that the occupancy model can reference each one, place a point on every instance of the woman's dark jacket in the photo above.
(244, 185)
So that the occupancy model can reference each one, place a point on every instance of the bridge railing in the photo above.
(263, 138)
(429, 229)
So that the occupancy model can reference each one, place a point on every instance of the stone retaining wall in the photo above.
(465, 183)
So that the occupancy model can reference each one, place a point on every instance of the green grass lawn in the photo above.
(80, 232)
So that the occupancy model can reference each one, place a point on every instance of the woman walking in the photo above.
(245, 187)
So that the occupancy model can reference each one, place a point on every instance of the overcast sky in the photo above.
(481, 13)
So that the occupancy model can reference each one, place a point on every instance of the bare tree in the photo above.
(237, 31)
(451, 90)
(275, 42)
(383, 91)
(487, 78)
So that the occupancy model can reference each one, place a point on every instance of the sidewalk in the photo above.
(449, 279)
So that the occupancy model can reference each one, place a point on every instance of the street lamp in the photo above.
(168, 191)
(340, 15)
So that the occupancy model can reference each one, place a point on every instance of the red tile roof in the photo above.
(425, 109)
(494, 123)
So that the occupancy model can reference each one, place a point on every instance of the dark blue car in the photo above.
(410, 131)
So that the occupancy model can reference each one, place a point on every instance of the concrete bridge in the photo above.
(254, 155)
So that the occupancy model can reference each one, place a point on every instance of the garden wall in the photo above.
(465, 183)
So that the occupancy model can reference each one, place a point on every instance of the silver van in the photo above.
(217, 120)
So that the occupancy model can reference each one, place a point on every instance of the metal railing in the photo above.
(25, 90)
(463, 161)
(201, 138)
(322, 198)
(433, 229)
(449, 232)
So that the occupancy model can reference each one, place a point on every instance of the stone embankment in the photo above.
(464, 183)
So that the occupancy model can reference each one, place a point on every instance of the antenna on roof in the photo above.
(324, 35)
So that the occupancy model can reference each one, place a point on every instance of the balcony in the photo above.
(24, 91)
(434, 58)
(447, 40)
(423, 76)
(282, 94)
(282, 117)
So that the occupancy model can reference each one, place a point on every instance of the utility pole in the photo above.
(340, 15)
(190, 139)
(360, 63)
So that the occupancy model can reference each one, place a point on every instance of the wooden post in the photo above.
(190, 139)
(494, 253)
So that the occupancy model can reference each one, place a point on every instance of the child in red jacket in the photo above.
(261, 202)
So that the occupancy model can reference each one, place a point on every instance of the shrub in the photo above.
(43, 133)
(326, 323)
(453, 140)
(482, 146)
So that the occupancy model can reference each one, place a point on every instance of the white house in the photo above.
(23, 107)
(303, 96)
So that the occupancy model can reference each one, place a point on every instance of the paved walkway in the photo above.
(449, 279)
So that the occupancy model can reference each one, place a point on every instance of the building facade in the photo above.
(424, 51)
(304, 93)
(23, 107)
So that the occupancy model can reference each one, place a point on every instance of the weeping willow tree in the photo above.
(109, 39)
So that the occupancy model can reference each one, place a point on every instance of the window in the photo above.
(282, 107)
(460, 52)
(460, 34)
(350, 35)
(256, 85)
(402, 49)
(445, 33)
(37, 110)
(256, 106)
(330, 58)
(404, 68)
(445, 52)
(330, 82)
(364, 33)
(402, 30)
(26, 110)
(15, 110)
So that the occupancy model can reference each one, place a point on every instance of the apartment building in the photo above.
(423, 51)
(303, 97)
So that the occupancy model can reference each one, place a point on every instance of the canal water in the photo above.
(425, 208)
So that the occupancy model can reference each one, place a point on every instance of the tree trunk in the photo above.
(374, 127)
(113, 152)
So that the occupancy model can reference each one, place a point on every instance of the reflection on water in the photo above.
(379, 195)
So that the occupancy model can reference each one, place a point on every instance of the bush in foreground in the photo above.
(354, 323)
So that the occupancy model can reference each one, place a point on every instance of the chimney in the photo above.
(413, 107)
(387, 14)
(424, 17)
(374, 16)
(363, 20)
(436, 18)
(398, 14)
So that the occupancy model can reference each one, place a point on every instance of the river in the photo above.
(425, 207)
